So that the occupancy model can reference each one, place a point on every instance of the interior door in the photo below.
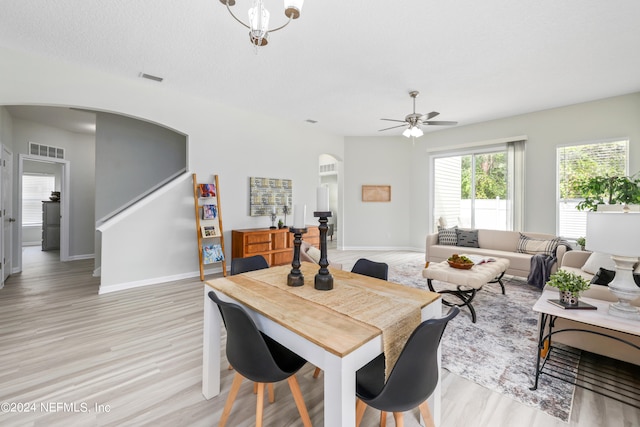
(7, 212)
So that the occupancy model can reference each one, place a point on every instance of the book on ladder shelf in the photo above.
(206, 200)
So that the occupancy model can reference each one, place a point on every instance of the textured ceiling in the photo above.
(347, 64)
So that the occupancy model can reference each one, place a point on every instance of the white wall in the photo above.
(377, 161)
(220, 141)
(394, 160)
(617, 117)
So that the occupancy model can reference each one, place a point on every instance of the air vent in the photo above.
(328, 168)
(46, 150)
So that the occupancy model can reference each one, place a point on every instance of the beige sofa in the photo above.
(310, 253)
(495, 243)
(573, 261)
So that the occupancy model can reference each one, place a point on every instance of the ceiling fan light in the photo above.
(407, 132)
(292, 8)
(417, 132)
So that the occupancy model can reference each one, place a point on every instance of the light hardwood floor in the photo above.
(135, 358)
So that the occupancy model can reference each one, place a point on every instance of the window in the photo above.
(577, 162)
(35, 189)
(475, 189)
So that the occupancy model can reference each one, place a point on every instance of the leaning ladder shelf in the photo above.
(209, 226)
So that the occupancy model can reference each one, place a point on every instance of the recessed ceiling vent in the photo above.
(151, 77)
(46, 150)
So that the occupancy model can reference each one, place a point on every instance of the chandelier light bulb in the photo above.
(258, 24)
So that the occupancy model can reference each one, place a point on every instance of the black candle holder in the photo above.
(274, 216)
(296, 278)
(324, 279)
(285, 211)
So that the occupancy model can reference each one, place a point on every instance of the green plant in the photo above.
(611, 190)
(568, 281)
(581, 241)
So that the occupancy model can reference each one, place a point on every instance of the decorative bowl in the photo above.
(461, 266)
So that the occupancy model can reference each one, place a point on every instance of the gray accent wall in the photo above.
(133, 158)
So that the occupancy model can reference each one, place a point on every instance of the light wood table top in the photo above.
(334, 331)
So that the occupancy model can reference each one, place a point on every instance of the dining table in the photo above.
(338, 330)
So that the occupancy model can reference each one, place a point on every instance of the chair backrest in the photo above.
(242, 265)
(415, 374)
(247, 349)
(379, 270)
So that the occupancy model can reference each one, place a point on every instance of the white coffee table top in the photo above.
(476, 277)
(599, 317)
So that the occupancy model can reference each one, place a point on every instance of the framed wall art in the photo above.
(376, 193)
(267, 193)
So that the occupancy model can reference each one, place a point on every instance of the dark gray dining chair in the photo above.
(243, 265)
(412, 380)
(379, 270)
(259, 358)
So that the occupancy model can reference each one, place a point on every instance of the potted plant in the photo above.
(581, 241)
(608, 190)
(569, 284)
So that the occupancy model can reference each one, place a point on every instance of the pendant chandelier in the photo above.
(259, 18)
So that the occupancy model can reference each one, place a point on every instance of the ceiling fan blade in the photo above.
(440, 123)
(394, 120)
(430, 116)
(393, 127)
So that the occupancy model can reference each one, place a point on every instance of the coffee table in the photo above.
(468, 282)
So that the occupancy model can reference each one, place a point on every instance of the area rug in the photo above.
(499, 351)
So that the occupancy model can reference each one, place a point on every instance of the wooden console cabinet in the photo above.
(275, 245)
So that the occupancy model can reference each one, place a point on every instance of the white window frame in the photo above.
(574, 144)
(515, 184)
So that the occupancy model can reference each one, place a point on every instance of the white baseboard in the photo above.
(381, 248)
(154, 281)
(79, 257)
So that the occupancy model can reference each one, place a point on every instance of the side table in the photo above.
(549, 357)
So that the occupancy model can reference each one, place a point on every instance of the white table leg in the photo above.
(211, 347)
(339, 393)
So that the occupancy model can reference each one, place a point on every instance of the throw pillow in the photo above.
(529, 245)
(597, 260)
(314, 254)
(467, 238)
(603, 277)
(447, 236)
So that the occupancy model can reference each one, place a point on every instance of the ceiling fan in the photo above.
(414, 121)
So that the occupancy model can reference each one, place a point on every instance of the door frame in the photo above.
(5, 246)
(64, 206)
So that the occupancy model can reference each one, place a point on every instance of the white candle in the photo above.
(299, 214)
(322, 195)
(273, 209)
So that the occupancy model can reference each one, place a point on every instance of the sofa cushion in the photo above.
(598, 260)
(447, 236)
(529, 245)
(578, 271)
(467, 238)
(314, 254)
